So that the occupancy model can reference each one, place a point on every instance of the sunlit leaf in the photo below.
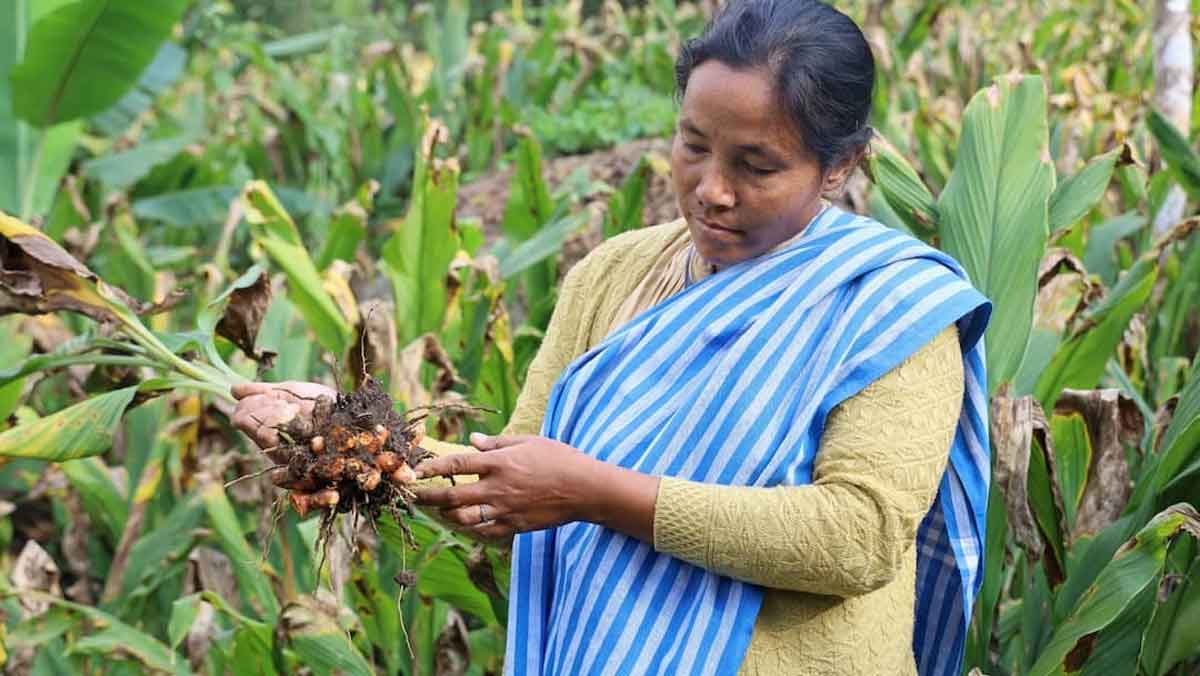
(902, 187)
(419, 253)
(994, 210)
(1135, 565)
(77, 431)
(1077, 195)
(275, 232)
(82, 57)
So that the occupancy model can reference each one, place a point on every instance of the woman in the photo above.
(749, 434)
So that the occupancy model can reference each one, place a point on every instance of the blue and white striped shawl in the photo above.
(730, 382)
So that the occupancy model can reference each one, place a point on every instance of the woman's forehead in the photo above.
(737, 106)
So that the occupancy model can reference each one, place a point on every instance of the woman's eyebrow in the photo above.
(690, 128)
(765, 153)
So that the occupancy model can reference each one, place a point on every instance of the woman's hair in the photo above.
(821, 64)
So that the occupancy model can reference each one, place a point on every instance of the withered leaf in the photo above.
(453, 655)
(38, 276)
(375, 341)
(244, 314)
(1112, 420)
(35, 571)
(408, 387)
(1012, 436)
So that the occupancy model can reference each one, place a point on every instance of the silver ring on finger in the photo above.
(483, 515)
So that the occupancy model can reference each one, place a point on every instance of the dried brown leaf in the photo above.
(35, 571)
(453, 655)
(244, 315)
(1162, 420)
(1064, 290)
(1112, 420)
(38, 276)
(1012, 437)
(375, 341)
(408, 387)
(200, 636)
(210, 570)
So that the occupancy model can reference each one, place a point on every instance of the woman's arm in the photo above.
(882, 457)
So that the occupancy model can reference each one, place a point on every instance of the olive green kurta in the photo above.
(838, 556)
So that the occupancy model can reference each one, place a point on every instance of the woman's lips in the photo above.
(716, 228)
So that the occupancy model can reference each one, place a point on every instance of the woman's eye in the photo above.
(695, 149)
(758, 171)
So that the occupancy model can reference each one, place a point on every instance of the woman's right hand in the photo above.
(262, 408)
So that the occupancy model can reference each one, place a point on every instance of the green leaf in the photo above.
(183, 613)
(528, 211)
(903, 189)
(546, 243)
(78, 431)
(1182, 159)
(1181, 441)
(917, 30)
(168, 541)
(275, 232)
(208, 206)
(1119, 645)
(14, 348)
(119, 171)
(994, 213)
(252, 571)
(419, 254)
(625, 206)
(162, 72)
(441, 568)
(104, 502)
(1077, 195)
(1073, 451)
(1174, 635)
(320, 643)
(1099, 256)
(1136, 565)
(82, 57)
(348, 227)
(111, 638)
(31, 160)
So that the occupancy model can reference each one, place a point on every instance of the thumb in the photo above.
(243, 390)
(486, 442)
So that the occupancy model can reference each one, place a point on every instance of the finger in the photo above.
(243, 390)
(455, 463)
(452, 497)
(473, 515)
(485, 442)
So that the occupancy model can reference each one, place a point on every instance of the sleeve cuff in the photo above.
(682, 514)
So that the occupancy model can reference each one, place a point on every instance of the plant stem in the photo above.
(217, 389)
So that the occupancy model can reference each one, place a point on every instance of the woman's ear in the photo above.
(836, 179)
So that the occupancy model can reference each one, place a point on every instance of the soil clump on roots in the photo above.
(354, 455)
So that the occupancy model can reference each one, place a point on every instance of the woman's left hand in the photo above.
(525, 483)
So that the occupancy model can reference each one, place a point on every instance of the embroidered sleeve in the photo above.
(882, 457)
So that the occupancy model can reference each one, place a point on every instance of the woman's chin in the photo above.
(717, 248)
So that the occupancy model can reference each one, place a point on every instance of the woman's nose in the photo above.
(713, 190)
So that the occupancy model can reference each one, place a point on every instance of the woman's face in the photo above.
(742, 175)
